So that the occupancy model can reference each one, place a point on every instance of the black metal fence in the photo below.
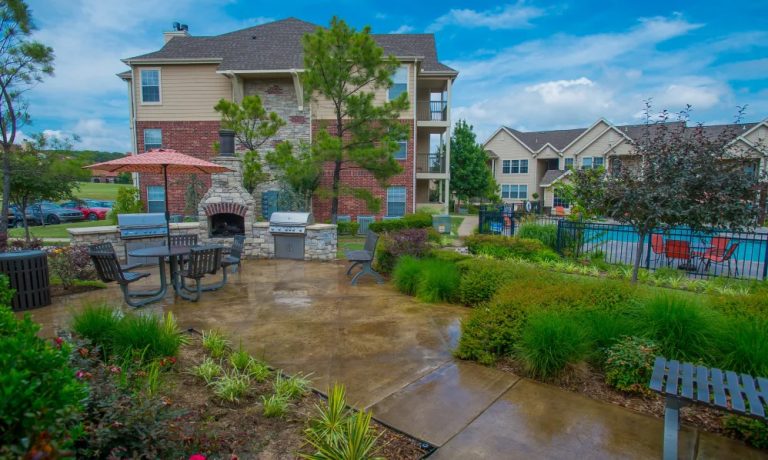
(697, 253)
(499, 221)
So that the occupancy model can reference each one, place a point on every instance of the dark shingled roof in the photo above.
(550, 176)
(561, 138)
(277, 46)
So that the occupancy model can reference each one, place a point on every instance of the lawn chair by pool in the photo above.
(678, 250)
(109, 270)
(708, 258)
(364, 258)
(203, 260)
(657, 246)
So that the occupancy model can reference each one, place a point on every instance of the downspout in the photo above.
(448, 151)
(415, 139)
(133, 124)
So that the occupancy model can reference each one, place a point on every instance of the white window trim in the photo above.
(511, 172)
(407, 82)
(159, 86)
(406, 150)
(144, 137)
(517, 193)
(405, 200)
(165, 196)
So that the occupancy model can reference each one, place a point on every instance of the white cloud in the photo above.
(404, 29)
(510, 16)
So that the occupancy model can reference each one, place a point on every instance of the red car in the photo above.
(90, 213)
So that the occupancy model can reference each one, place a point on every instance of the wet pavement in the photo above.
(393, 353)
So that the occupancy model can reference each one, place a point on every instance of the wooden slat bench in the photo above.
(685, 383)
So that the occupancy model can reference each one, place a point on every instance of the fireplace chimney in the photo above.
(226, 143)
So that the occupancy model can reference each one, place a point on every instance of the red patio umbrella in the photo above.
(161, 161)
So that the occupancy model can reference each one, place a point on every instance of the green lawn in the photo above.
(98, 191)
(349, 243)
(455, 223)
(55, 231)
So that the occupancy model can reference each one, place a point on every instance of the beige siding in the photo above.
(187, 93)
(759, 136)
(588, 137)
(322, 108)
(508, 148)
(601, 145)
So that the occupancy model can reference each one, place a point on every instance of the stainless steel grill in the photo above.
(141, 225)
(289, 230)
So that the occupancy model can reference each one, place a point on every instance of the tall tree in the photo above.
(344, 69)
(253, 127)
(676, 176)
(300, 171)
(23, 63)
(470, 175)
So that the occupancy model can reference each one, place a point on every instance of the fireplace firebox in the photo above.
(225, 225)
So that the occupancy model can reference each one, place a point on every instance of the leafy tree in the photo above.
(23, 63)
(253, 127)
(38, 175)
(301, 172)
(128, 201)
(193, 194)
(680, 176)
(344, 68)
(470, 176)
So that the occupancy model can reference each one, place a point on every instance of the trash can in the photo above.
(442, 223)
(27, 272)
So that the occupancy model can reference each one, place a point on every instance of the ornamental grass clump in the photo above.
(97, 323)
(550, 342)
(743, 346)
(439, 281)
(231, 386)
(290, 387)
(215, 343)
(406, 274)
(148, 336)
(207, 370)
(275, 405)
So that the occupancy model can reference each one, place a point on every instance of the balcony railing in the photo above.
(432, 110)
(430, 163)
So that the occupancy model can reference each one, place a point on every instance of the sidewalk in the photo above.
(468, 225)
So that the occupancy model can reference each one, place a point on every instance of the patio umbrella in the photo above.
(161, 161)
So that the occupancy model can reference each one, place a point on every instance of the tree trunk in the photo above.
(23, 209)
(337, 166)
(6, 197)
(638, 255)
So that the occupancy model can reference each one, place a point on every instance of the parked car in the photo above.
(99, 203)
(89, 211)
(51, 214)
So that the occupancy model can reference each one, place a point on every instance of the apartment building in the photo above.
(528, 163)
(173, 91)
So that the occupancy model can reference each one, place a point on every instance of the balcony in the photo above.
(430, 164)
(432, 111)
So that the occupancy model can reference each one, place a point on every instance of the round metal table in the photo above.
(161, 252)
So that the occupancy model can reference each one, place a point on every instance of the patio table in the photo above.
(161, 252)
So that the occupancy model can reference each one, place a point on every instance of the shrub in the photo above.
(489, 332)
(448, 255)
(39, 394)
(392, 246)
(70, 263)
(605, 328)
(98, 324)
(743, 346)
(629, 364)
(148, 336)
(347, 228)
(128, 201)
(406, 274)
(505, 247)
(439, 281)
(410, 221)
(546, 233)
(753, 432)
(23, 245)
(481, 278)
(682, 327)
(551, 340)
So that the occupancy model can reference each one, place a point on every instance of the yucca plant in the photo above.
(275, 405)
(231, 386)
(215, 342)
(207, 370)
(339, 434)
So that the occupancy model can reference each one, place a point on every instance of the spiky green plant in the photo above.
(275, 405)
(257, 370)
(231, 386)
(207, 370)
(240, 358)
(215, 342)
(291, 387)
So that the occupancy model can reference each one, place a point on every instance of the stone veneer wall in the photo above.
(321, 241)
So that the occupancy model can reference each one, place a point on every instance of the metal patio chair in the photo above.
(235, 254)
(108, 248)
(109, 270)
(203, 260)
(364, 258)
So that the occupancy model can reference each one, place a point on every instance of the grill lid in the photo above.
(290, 218)
(141, 225)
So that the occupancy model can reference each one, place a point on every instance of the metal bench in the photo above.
(683, 384)
(109, 270)
(203, 260)
(364, 258)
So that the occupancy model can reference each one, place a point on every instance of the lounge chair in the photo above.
(723, 258)
(109, 270)
(677, 250)
(203, 260)
(657, 246)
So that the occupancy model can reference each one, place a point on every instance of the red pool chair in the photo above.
(724, 258)
(657, 246)
(677, 250)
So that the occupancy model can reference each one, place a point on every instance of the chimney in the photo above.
(179, 30)
(226, 143)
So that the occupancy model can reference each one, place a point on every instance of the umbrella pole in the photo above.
(167, 213)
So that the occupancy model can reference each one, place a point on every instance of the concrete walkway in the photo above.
(393, 353)
(468, 225)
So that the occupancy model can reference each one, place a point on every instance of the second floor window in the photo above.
(399, 82)
(568, 163)
(592, 162)
(514, 167)
(150, 86)
(402, 152)
(514, 192)
(153, 139)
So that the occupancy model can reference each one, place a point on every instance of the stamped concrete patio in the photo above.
(394, 355)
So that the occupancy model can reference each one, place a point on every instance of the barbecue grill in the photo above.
(141, 225)
(289, 230)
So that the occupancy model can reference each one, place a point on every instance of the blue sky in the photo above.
(530, 65)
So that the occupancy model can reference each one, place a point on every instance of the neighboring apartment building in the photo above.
(524, 163)
(173, 92)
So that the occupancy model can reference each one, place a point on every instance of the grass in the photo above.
(207, 370)
(55, 231)
(455, 224)
(291, 387)
(231, 386)
(274, 405)
(98, 191)
(439, 281)
(215, 343)
(550, 342)
(349, 243)
(98, 324)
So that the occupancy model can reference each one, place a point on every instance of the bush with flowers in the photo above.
(71, 263)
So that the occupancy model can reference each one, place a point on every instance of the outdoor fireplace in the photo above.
(226, 224)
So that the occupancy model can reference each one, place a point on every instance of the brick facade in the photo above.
(360, 178)
(193, 138)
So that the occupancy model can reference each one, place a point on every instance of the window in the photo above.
(568, 163)
(153, 139)
(395, 201)
(592, 162)
(559, 201)
(514, 192)
(155, 198)
(150, 86)
(402, 153)
(399, 83)
(514, 167)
